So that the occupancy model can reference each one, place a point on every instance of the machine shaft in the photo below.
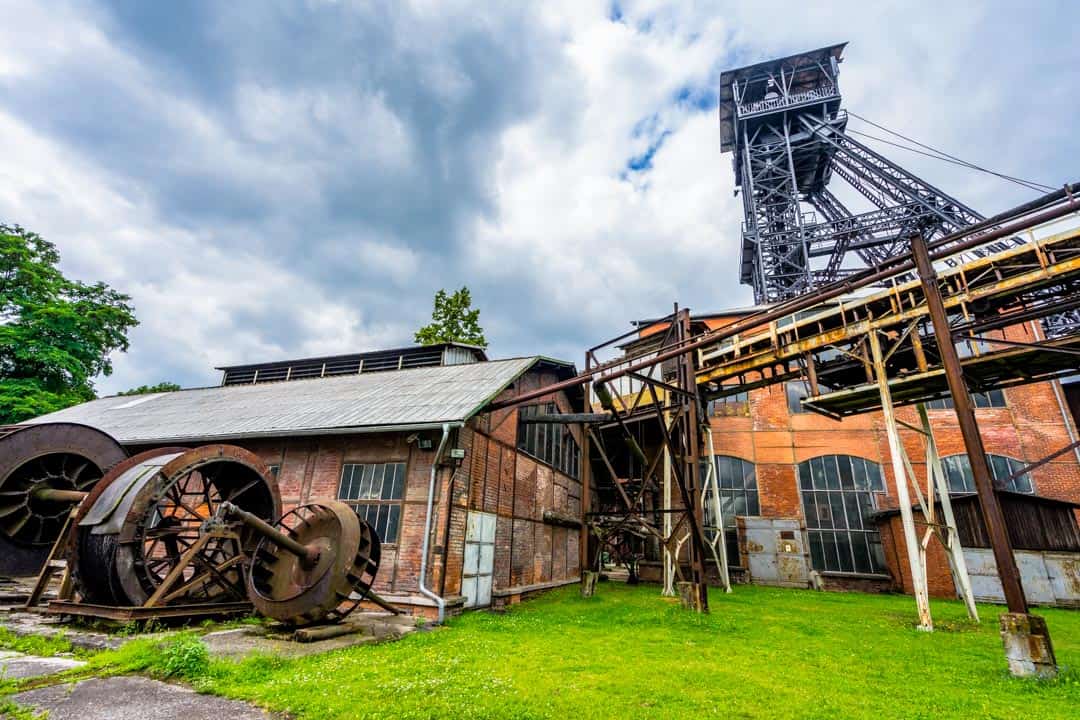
(308, 555)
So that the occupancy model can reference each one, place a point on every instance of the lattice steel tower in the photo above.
(783, 122)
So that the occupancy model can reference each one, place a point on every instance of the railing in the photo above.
(825, 92)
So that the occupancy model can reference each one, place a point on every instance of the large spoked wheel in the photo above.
(285, 587)
(49, 456)
(163, 534)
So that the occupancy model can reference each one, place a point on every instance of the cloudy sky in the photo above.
(279, 179)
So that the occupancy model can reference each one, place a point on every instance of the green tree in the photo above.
(453, 320)
(56, 334)
(161, 387)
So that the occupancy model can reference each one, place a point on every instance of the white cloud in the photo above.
(290, 181)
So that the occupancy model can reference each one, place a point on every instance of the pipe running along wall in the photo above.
(424, 589)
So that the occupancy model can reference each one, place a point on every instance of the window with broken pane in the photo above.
(374, 490)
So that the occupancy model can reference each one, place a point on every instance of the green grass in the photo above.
(628, 653)
(40, 645)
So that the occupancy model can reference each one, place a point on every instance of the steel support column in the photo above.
(915, 551)
(969, 429)
(950, 538)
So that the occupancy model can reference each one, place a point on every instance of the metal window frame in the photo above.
(812, 522)
(356, 503)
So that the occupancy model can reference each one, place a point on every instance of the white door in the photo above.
(479, 559)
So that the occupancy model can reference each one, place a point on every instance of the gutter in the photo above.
(424, 589)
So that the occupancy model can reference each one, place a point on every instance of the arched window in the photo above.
(958, 473)
(838, 501)
(738, 496)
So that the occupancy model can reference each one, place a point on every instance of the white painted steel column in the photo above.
(717, 514)
(669, 563)
(956, 553)
(916, 552)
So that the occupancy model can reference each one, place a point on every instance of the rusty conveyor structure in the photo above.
(864, 343)
(828, 346)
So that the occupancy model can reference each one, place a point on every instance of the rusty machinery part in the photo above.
(325, 582)
(153, 521)
(43, 471)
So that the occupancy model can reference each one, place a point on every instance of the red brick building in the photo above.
(778, 461)
(369, 429)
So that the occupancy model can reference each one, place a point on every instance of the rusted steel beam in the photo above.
(566, 418)
(1039, 463)
(1059, 204)
(969, 430)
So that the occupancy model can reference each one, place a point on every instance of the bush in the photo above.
(184, 656)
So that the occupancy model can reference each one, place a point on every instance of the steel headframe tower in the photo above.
(783, 122)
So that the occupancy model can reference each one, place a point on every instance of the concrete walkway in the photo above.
(134, 698)
(16, 666)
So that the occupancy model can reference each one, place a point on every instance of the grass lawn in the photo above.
(628, 653)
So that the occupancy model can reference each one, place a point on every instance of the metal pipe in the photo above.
(424, 589)
(1065, 200)
(57, 495)
(969, 429)
(308, 555)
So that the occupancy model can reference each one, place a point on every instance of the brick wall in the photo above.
(775, 440)
(518, 489)
(494, 477)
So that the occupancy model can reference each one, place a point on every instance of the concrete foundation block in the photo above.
(1027, 646)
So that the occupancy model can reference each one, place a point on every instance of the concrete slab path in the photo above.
(134, 698)
(14, 665)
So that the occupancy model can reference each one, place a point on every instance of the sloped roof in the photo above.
(397, 400)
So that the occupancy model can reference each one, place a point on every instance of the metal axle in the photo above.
(308, 555)
(57, 495)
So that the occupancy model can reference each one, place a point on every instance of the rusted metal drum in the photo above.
(328, 584)
(153, 521)
(39, 458)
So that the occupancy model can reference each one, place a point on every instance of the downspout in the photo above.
(424, 589)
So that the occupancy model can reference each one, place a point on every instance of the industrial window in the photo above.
(738, 497)
(374, 491)
(838, 501)
(736, 404)
(989, 399)
(552, 443)
(958, 474)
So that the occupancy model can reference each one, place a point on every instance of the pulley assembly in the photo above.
(175, 529)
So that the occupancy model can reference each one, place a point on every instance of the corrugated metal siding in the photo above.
(407, 397)
(458, 356)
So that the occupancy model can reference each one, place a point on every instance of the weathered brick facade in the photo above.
(494, 477)
(765, 432)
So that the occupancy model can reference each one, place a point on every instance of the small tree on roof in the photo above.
(453, 320)
(161, 387)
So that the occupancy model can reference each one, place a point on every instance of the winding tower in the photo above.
(783, 122)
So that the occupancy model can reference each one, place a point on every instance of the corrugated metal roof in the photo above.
(348, 403)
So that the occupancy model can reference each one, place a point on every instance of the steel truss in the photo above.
(856, 354)
(782, 121)
(658, 497)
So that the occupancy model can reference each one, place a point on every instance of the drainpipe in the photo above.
(424, 589)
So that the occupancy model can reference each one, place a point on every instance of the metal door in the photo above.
(479, 559)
